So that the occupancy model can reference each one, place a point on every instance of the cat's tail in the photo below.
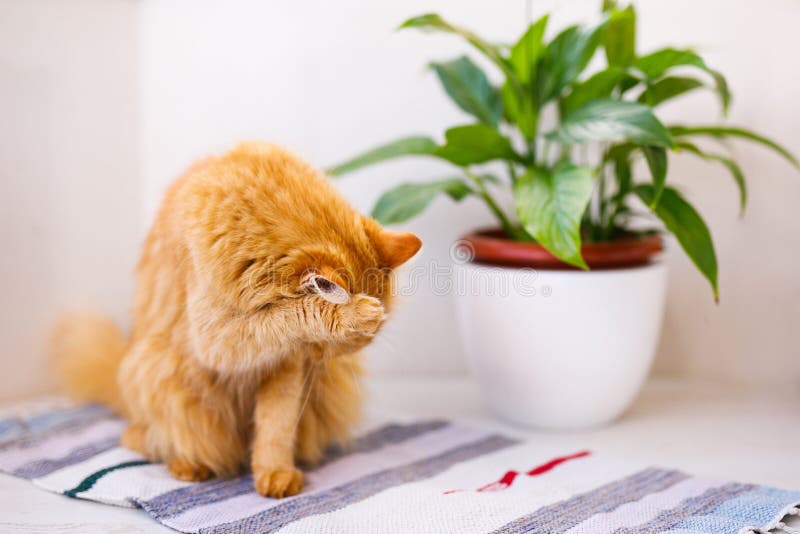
(87, 349)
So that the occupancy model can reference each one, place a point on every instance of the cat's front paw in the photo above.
(278, 482)
(188, 471)
(362, 316)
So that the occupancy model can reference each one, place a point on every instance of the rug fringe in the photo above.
(777, 524)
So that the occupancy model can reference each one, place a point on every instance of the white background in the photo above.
(103, 102)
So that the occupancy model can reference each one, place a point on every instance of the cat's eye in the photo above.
(330, 291)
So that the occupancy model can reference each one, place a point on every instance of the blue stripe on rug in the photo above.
(10, 428)
(43, 467)
(180, 500)
(358, 490)
(755, 508)
(46, 421)
(386, 435)
(563, 515)
(45, 431)
(701, 504)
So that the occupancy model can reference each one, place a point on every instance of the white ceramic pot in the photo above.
(560, 349)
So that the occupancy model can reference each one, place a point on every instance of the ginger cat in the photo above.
(256, 287)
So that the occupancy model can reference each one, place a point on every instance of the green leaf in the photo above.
(731, 165)
(657, 162)
(469, 88)
(408, 146)
(598, 86)
(723, 91)
(433, 22)
(612, 120)
(656, 64)
(475, 143)
(564, 59)
(668, 88)
(550, 206)
(609, 5)
(519, 111)
(730, 131)
(629, 81)
(409, 200)
(619, 37)
(525, 53)
(688, 227)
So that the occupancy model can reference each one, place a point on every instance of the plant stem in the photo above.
(603, 205)
(487, 197)
(609, 227)
(618, 201)
(601, 202)
(512, 172)
(532, 156)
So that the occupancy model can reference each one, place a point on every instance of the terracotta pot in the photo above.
(492, 247)
(553, 346)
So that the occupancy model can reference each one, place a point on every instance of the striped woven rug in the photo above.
(431, 476)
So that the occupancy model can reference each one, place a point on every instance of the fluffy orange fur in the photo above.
(234, 357)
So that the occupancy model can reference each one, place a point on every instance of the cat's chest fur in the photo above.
(238, 393)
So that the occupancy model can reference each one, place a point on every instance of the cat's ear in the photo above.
(396, 248)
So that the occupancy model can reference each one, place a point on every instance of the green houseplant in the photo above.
(583, 155)
(572, 182)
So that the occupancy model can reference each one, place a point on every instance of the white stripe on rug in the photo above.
(645, 509)
(336, 473)
(431, 510)
(71, 476)
(143, 482)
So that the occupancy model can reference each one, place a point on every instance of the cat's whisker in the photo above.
(323, 364)
(356, 381)
(391, 341)
(305, 402)
(309, 370)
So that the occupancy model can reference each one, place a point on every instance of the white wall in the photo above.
(331, 78)
(69, 180)
(98, 93)
(752, 335)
